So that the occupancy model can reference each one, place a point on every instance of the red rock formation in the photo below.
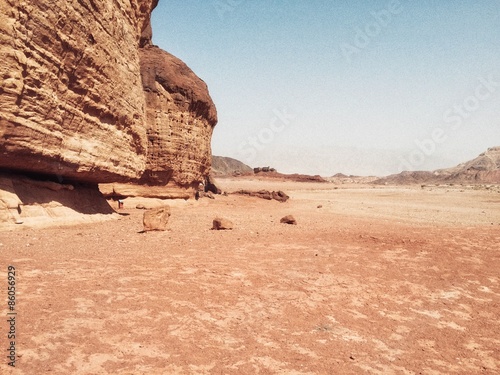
(86, 96)
(180, 117)
(71, 99)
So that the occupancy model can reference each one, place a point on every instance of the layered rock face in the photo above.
(180, 117)
(71, 98)
(85, 96)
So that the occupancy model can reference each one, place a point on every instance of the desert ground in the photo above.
(371, 280)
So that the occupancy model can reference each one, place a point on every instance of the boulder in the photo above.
(280, 196)
(156, 219)
(289, 219)
(264, 194)
(222, 224)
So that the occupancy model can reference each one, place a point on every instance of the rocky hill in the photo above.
(483, 169)
(225, 166)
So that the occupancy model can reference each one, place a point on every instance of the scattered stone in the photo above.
(280, 196)
(222, 224)
(264, 169)
(202, 194)
(156, 219)
(320, 206)
(289, 219)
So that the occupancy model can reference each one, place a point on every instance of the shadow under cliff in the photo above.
(40, 197)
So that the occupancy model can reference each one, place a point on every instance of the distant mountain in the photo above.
(483, 169)
(224, 166)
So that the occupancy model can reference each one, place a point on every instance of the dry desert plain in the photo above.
(376, 280)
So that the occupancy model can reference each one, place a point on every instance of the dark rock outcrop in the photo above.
(280, 196)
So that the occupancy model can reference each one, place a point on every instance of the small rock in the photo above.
(320, 206)
(222, 224)
(208, 194)
(156, 219)
(140, 206)
(203, 194)
(280, 196)
(289, 219)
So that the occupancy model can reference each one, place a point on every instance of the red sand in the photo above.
(376, 281)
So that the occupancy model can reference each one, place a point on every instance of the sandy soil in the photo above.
(379, 280)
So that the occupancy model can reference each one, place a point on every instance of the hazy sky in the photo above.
(360, 87)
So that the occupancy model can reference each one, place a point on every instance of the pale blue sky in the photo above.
(342, 86)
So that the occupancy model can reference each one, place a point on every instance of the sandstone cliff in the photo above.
(180, 117)
(86, 97)
(71, 100)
